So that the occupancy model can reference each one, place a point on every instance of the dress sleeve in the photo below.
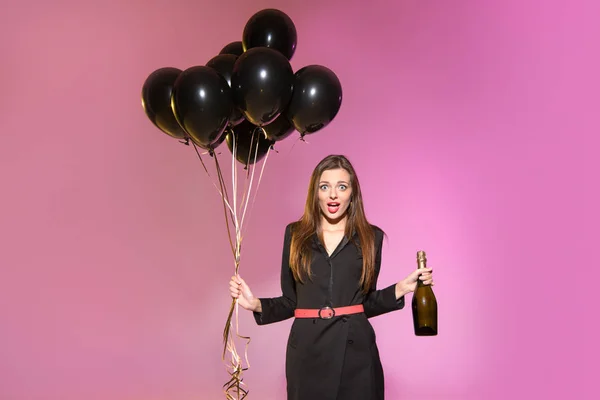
(381, 301)
(280, 308)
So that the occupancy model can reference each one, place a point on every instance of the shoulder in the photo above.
(379, 234)
(289, 228)
(378, 231)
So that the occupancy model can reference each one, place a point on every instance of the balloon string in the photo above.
(246, 167)
(235, 388)
(262, 170)
(235, 384)
(300, 139)
(248, 187)
(223, 186)
(222, 183)
(234, 191)
(210, 177)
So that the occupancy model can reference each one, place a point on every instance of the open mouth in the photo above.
(333, 207)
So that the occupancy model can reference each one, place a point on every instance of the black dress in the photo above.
(331, 359)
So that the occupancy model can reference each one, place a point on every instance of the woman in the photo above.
(330, 264)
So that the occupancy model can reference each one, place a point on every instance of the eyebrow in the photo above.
(337, 182)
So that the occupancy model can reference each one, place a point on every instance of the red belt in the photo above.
(328, 312)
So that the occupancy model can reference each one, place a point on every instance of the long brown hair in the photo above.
(310, 223)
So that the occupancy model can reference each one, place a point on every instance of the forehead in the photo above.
(335, 175)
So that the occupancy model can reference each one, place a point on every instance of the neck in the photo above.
(338, 224)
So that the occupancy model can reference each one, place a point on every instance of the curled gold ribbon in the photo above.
(234, 388)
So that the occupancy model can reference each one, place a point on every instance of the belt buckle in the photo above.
(330, 313)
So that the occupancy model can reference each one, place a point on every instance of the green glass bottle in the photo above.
(424, 304)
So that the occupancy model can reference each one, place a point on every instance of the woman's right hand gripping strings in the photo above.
(238, 289)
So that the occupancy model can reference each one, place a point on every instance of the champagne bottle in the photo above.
(424, 304)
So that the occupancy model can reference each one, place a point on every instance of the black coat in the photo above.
(331, 359)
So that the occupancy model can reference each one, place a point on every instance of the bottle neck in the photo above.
(421, 263)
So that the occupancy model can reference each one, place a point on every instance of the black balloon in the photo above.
(220, 140)
(279, 129)
(223, 64)
(271, 28)
(245, 135)
(215, 144)
(316, 99)
(262, 83)
(235, 48)
(156, 101)
(202, 104)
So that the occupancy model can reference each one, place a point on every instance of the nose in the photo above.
(333, 194)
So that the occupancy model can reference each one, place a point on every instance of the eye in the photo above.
(323, 187)
(343, 187)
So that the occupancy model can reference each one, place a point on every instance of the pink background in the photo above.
(472, 125)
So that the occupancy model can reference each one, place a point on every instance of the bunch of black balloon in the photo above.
(249, 81)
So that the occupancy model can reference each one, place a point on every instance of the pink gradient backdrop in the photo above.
(472, 125)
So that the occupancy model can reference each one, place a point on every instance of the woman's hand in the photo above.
(238, 289)
(409, 284)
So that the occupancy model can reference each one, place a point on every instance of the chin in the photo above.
(334, 217)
